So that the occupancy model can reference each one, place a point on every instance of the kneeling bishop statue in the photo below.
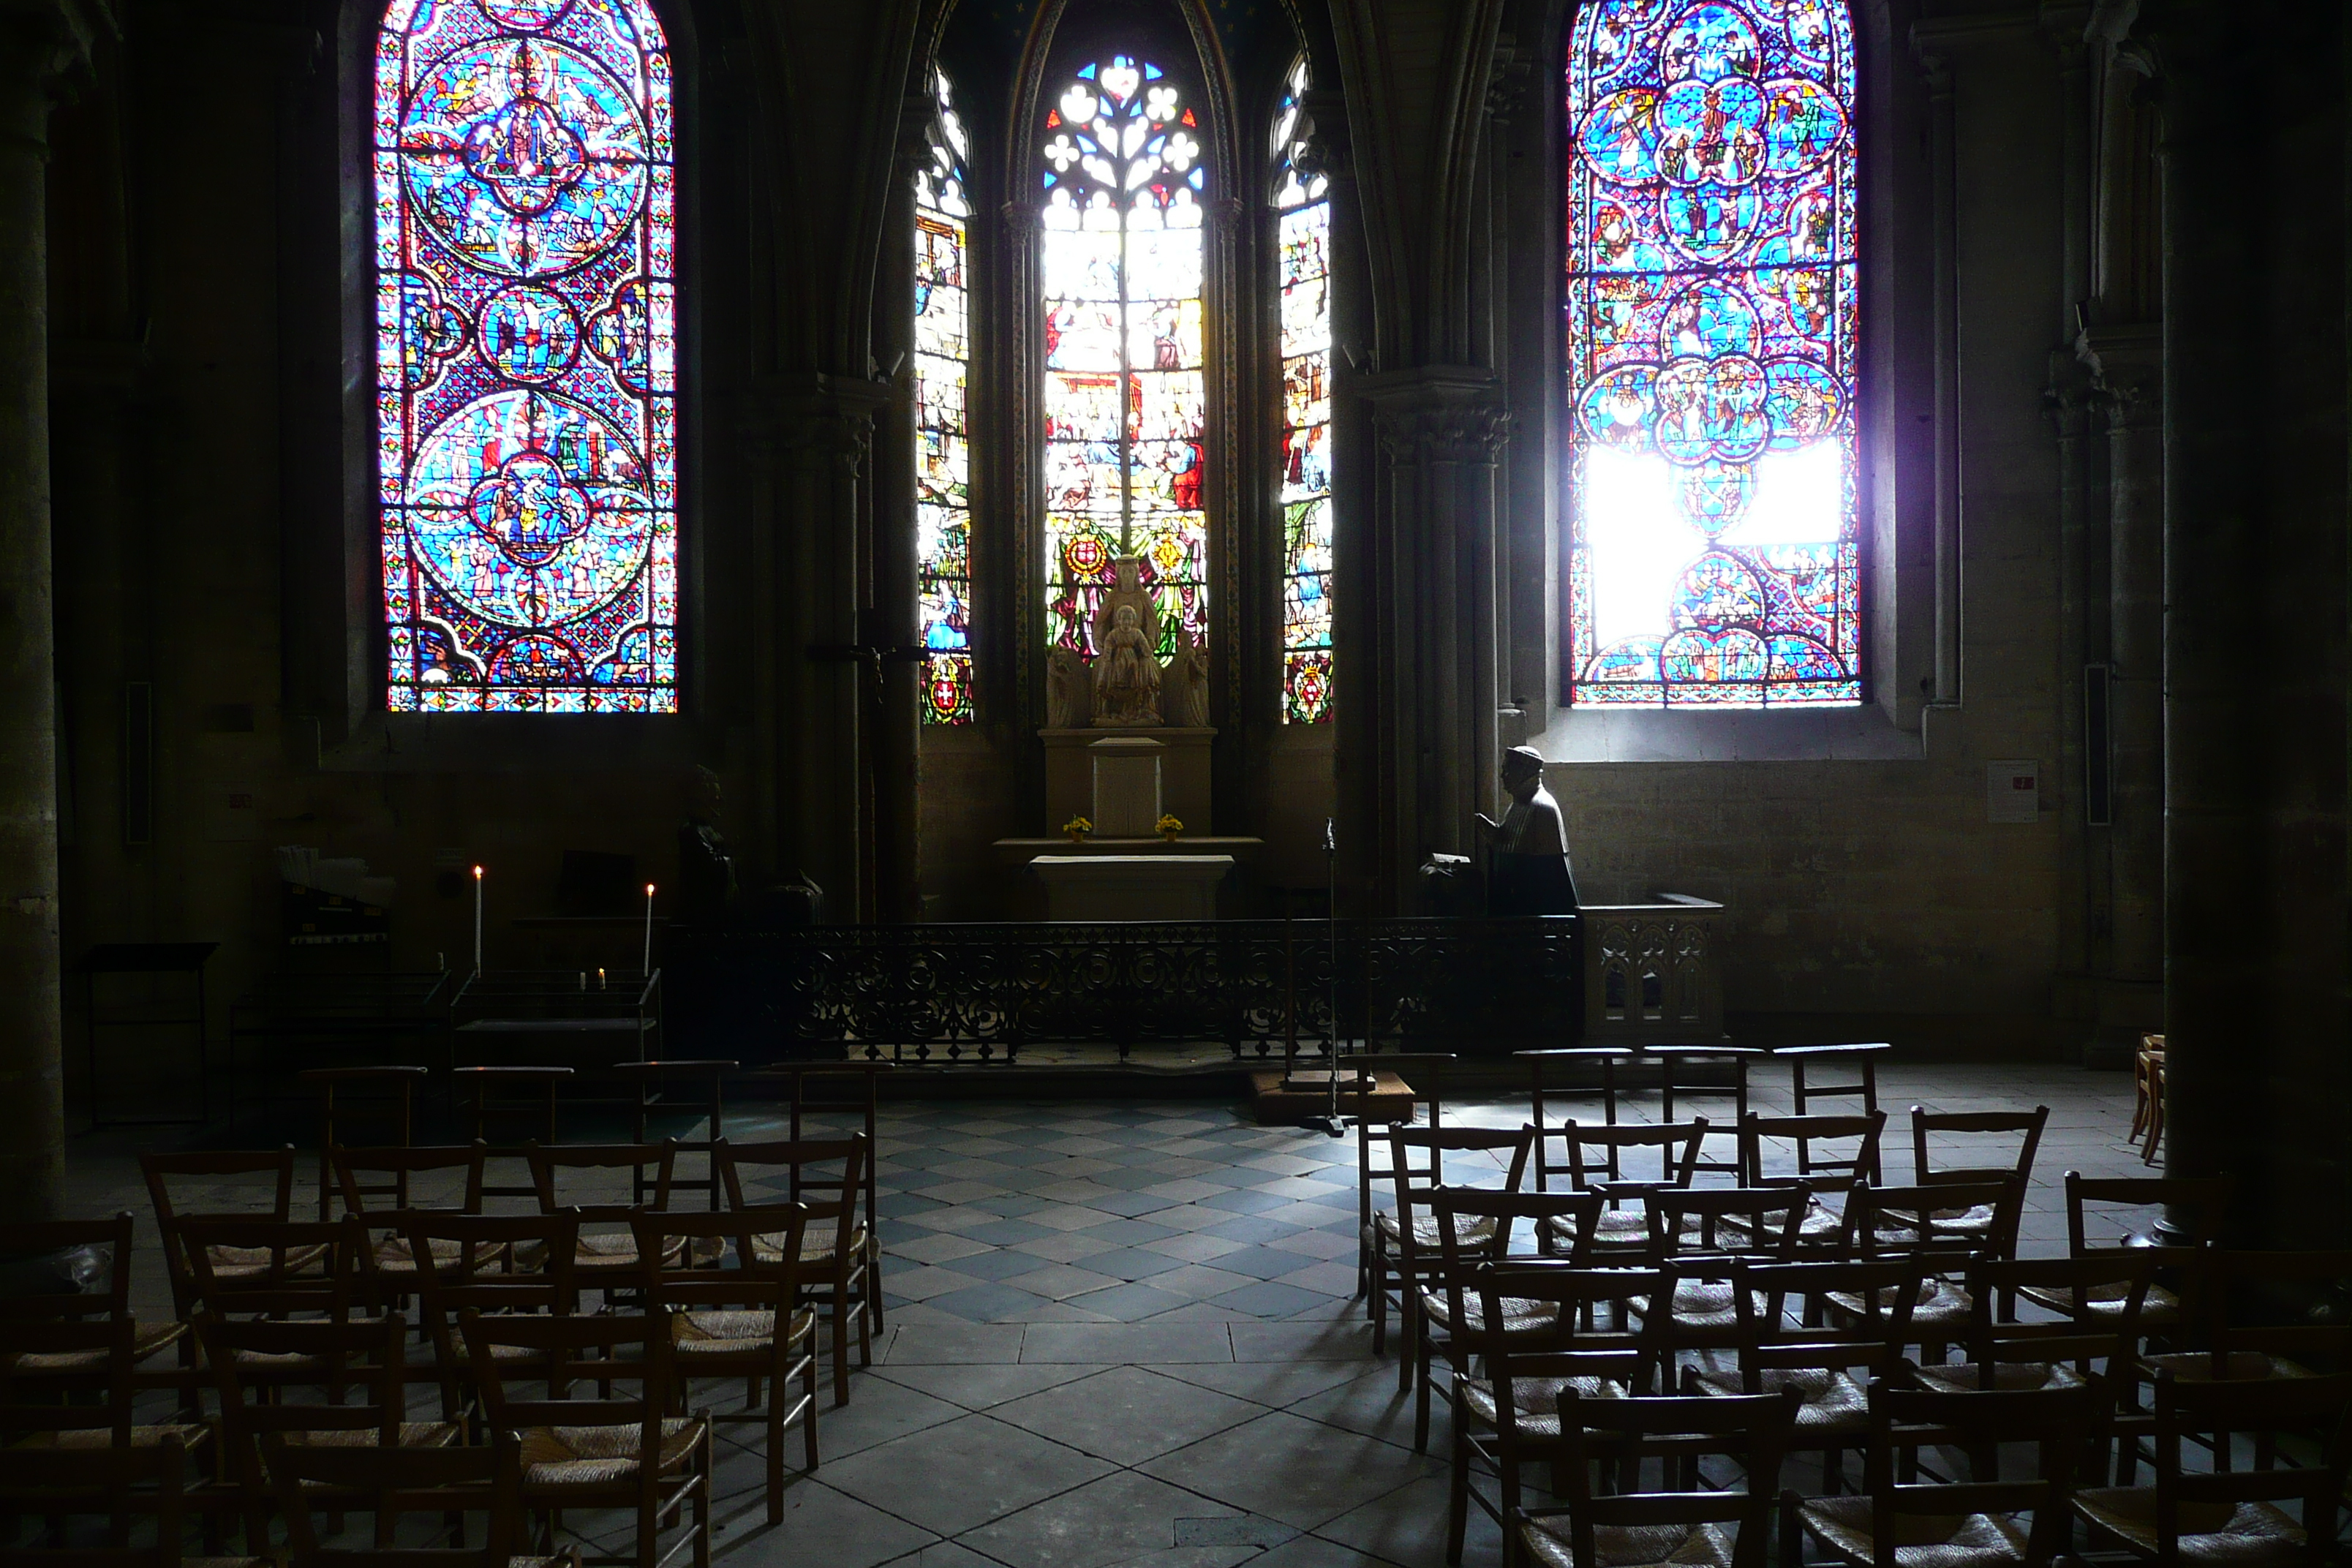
(1530, 873)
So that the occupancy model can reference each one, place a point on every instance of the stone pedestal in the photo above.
(1184, 774)
(1127, 789)
(1131, 886)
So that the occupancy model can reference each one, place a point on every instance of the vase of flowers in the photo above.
(1169, 826)
(1077, 830)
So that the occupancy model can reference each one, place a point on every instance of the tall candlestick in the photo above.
(478, 920)
(649, 929)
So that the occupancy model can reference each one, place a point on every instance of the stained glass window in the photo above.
(942, 433)
(1123, 393)
(1302, 197)
(525, 394)
(1711, 338)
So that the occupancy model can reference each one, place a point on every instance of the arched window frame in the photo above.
(1857, 640)
(944, 477)
(634, 338)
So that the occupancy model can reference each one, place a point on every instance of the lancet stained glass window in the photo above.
(1120, 262)
(1711, 355)
(1302, 197)
(525, 394)
(942, 432)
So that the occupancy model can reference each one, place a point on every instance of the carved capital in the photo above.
(1021, 219)
(1507, 84)
(44, 45)
(816, 421)
(1443, 433)
(2125, 374)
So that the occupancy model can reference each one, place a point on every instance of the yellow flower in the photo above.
(1170, 824)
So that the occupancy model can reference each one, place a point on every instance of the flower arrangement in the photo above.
(1077, 830)
(1169, 826)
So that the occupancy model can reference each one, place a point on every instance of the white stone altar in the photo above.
(1127, 787)
(1131, 886)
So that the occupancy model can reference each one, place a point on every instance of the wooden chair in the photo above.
(1826, 1371)
(1990, 1227)
(1475, 1230)
(834, 1250)
(745, 1321)
(509, 1108)
(1678, 1070)
(1900, 1222)
(1826, 1171)
(2101, 1296)
(2202, 1201)
(163, 1173)
(389, 1174)
(651, 1083)
(1901, 1523)
(1696, 1236)
(285, 1268)
(450, 1483)
(1405, 1238)
(121, 1486)
(384, 1096)
(1424, 1075)
(2147, 1093)
(1677, 1524)
(1863, 1059)
(606, 1260)
(468, 1262)
(1598, 1158)
(92, 1367)
(867, 1078)
(257, 1363)
(1598, 1341)
(609, 1452)
(2257, 1322)
(2228, 1516)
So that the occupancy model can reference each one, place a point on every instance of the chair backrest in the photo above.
(248, 1266)
(2203, 1202)
(766, 1243)
(1725, 1222)
(1853, 1156)
(2210, 1412)
(1544, 1070)
(385, 1096)
(1423, 1076)
(1597, 1152)
(257, 1362)
(1884, 1220)
(1475, 1227)
(309, 1479)
(386, 1175)
(118, 1483)
(44, 1357)
(1751, 1432)
(1990, 1131)
(827, 1176)
(660, 1086)
(1781, 1311)
(1419, 1158)
(2055, 1421)
(467, 1262)
(2264, 1303)
(2084, 1335)
(213, 1167)
(550, 1163)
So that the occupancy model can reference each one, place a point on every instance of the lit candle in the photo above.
(478, 920)
(649, 929)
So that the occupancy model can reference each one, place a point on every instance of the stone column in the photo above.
(2129, 360)
(1441, 430)
(41, 41)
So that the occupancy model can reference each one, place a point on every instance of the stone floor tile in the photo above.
(1060, 1281)
(1127, 1414)
(959, 1344)
(1066, 1246)
(1274, 1384)
(1264, 1263)
(989, 1304)
(1128, 1342)
(946, 1554)
(821, 1524)
(922, 1284)
(1130, 1303)
(877, 1412)
(1331, 1279)
(996, 1263)
(1346, 1338)
(962, 1474)
(935, 1247)
(984, 1386)
(1290, 1469)
(1313, 1551)
(1318, 1244)
(1244, 1201)
(1269, 1300)
(1131, 1262)
(1116, 1519)
(1199, 1281)
(1258, 1229)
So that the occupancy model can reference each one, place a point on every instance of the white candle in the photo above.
(478, 920)
(649, 929)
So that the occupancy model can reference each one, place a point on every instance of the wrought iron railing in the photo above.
(982, 992)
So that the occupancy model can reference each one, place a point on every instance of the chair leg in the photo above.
(808, 1406)
(776, 1456)
(1421, 1401)
(1457, 1496)
(1409, 1332)
(1379, 1294)
(840, 1341)
(874, 1282)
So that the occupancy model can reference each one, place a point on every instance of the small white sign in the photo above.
(2013, 791)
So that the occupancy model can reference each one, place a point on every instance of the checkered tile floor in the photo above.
(1126, 1333)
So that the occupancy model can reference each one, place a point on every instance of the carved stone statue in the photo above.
(1530, 873)
(1188, 686)
(1126, 676)
(1068, 693)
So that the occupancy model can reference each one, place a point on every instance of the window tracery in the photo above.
(1711, 333)
(526, 379)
